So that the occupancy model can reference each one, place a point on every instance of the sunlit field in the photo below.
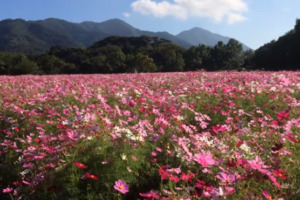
(199, 135)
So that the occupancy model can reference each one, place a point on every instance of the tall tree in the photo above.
(234, 57)
(113, 57)
(248, 59)
(168, 57)
(50, 64)
(142, 63)
(194, 57)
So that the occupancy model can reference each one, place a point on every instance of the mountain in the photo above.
(82, 35)
(21, 36)
(168, 36)
(197, 36)
(121, 28)
(38, 36)
(112, 27)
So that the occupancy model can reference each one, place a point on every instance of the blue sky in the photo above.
(253, 22)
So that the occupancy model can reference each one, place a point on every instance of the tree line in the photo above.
(127, 55)
(118, 54)
(281, 54)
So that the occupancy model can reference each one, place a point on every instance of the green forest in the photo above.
(118, 54)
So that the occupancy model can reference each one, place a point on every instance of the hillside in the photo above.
(29, 37)
(38, 36)
(280, 54)
(197, 36)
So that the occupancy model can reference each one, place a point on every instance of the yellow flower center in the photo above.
(121, 187)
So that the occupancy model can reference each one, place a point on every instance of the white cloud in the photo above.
(234, 18)
(231, 10)
(126, 14)
(161, 9)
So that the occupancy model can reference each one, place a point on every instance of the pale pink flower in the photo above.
(158, 149)
(204, 159)
(28, 165)
(174, 170)
(72, 135)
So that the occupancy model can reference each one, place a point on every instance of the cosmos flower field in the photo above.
(177, 136)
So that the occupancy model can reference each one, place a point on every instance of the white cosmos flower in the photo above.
(123, 156)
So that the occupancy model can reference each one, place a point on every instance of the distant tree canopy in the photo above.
(282, 54)
(117, 54)
(127, 54)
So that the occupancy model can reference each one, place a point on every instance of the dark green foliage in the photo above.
(195, 57)
(140, 63)
(119, 54)
(27, 37)
(281, 54)
(33, 37)
(234, 57)
(90, 47)
(17, 64)
(168, 57)
(111, 57)
(50, 64)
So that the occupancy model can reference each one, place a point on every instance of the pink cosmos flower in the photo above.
(26, 183)
(174, 170)
(91, 176)
(158, 149)
(280, 173)
(153, 153)
(150, 194)
(204, 159)
(121, 186)
(7, 190)
(72, 135)
(229, 190)
(131, 103)
(267, 195)
(163, 172)
(226, 178)
(283, 115)
(273, 179)
(174, 178)
(28, 165)
(219, 128)
(80, 165)
(257, 163)
(187, 177)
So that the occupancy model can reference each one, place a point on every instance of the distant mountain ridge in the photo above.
(207, 38)
(38, 36)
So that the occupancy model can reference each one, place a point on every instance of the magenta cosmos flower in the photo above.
(7, 190)
(121, 186)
